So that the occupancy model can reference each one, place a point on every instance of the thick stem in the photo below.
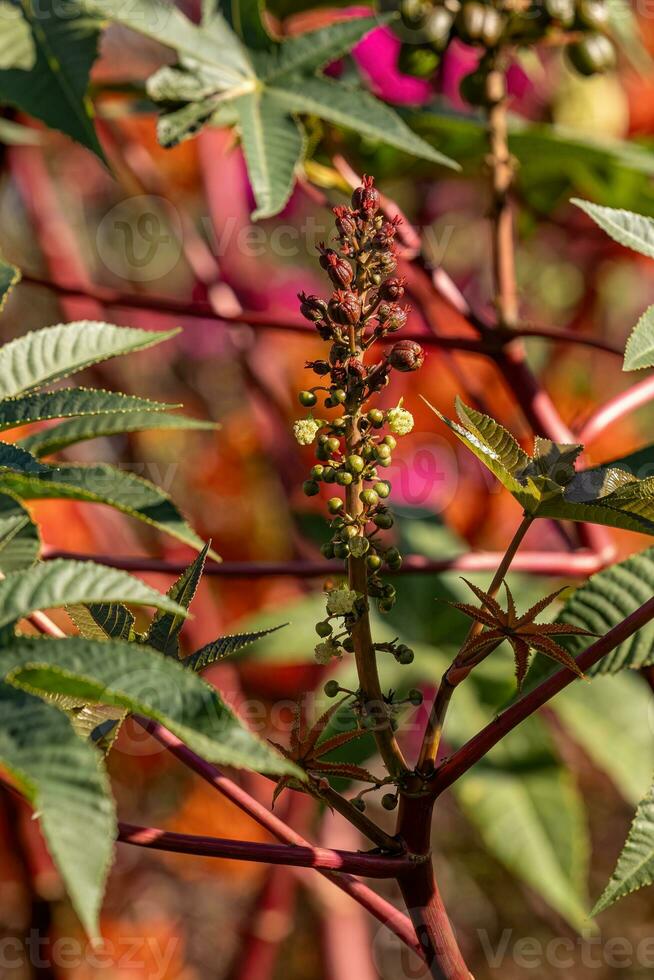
(457, 671)
(506, 297)
(432, 925)
(364, 651)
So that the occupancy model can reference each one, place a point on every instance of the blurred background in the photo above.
(515, 840)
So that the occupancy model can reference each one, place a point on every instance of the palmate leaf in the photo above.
(62, 778)
(163, 632)
(635, 867)
(69, 403)
(54, 89)
(139, 679)
(19, 536)
(230, 62)
(547, 484)
(62, 582)
(102, 621)
(46, 355)
(58, 437)
(223, 647)
(639, 352)
(104, 484)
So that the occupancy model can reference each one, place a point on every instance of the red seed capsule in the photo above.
(311, 307)
(345, 308)
(366, 197)
(406, 355)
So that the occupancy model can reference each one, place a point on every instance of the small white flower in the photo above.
(305, 431)
(327, 650)
(341, 601)
(399, 421)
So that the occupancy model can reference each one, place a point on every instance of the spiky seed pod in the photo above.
(312, 308)
(392, 289)
(406, 355)
(345, 308)
(337, 268)
(366, 197)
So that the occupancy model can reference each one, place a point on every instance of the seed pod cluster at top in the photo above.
(355, 446)
(427, 27)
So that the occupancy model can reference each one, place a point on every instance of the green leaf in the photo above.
(546, 484)
(223, 647)
(46, 355)
(639, 352)
(15, 459)
(273, 143)
(141, 680)
(58, 437)
(164, 630)
(352, 108)
(267, 84)
(104, 484)
(19, 536)
(55, 89)
(635, 867)
(62, 778)
(604, 601)
(102, 621)
(68, 403)
(17, 47)
(610, 720)
(61, 582)
(634, 231)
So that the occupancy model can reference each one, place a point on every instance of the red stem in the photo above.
(560, 563)
(377, 906)
(321, 858)
(616, 408)
(475, 749)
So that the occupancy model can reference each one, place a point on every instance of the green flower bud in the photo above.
(355, 464)
(334, 504)
(324, 628)
(331, 688)
(343, 478)
(373, 562)
(383, 520)
(311, 488)
(317, 471)
(307, 398)
(389, 801)
(382, 488)
(327, 550)
(329, 474)
(333, 444)
(404, 654)
(376, 417)
(390, 441)
(359, 546)
(415, 697)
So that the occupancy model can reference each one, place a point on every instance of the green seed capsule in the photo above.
(322, 452)
(329, 474)
(355, 464)
(359, 546)
(418, 60)
(332, 688)
(369, 498)
(382, 488)
(334, 505)
(324, 628)
(333, 444)
(373, 562)
(311, 488)
(317, 471)
(593, 54)
(339, 396)
(390, 441)
(339, 423)
(342, 550)
(383, 521)
(350, 531)
(389, 801)
(383, 451)
(392, 554)
(307, 398)
(343, 478)
(348, 644)
(404, 654)
(389, 592)
(415, 697)
(376, 417)
(396, 565)
(385, 605)
(592, 14)
(327, 550)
